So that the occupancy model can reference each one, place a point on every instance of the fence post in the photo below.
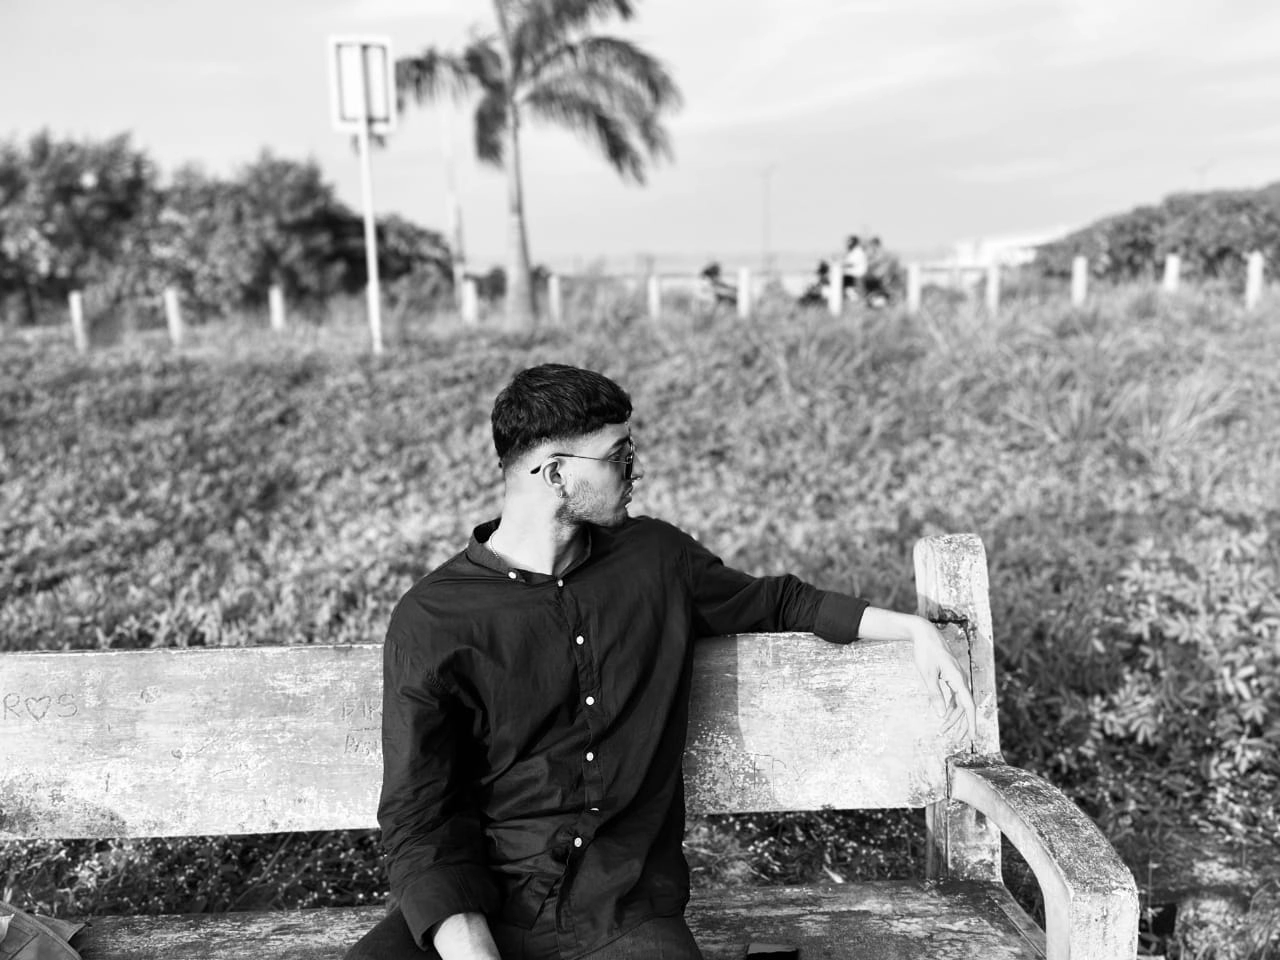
(1253, 281)
(1079, 281)
(1172, 269)
(470, 302)
(993, 287)
(744, 293)
(173, 314)
(78, 332)
(913, 287)
(655, 297)
(555, 301)
(275, 301)
(835, 288)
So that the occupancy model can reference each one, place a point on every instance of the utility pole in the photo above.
(458, 259)
(766, 257)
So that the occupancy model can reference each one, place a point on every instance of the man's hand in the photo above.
(944, 681)
(464, 936)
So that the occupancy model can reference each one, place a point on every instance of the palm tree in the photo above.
(545, 64)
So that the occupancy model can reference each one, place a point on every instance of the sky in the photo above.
(926, 122)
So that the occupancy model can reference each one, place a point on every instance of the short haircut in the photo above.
(552, 402)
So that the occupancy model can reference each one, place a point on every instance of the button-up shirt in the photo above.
(534, 726)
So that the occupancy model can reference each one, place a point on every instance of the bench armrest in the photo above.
(1091, 900)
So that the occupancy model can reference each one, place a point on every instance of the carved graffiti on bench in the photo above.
(21, 708)
(363, 740)
(355, 708)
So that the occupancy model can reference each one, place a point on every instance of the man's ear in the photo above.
(553, 477)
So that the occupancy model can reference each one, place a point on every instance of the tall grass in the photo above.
(1121, 464)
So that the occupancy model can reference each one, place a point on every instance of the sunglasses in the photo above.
(627, 459)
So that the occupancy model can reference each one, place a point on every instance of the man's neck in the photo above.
(539, 545)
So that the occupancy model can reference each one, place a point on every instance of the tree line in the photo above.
(1212, 232)
(85, 214)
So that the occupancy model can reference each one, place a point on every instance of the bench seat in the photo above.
(876, 920)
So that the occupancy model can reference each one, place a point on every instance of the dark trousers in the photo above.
(665, 938)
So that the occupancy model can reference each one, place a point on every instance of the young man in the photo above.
(535, 700)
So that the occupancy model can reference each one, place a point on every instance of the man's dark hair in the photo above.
(553, 401)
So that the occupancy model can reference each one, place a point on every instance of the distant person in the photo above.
(854, 268)
(716, 289)
(876, 282)
(536, 699)
(817, 293)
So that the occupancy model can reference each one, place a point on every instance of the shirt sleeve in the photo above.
(431, 830)
(730, 601)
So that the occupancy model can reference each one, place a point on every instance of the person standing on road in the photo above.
(536, 699)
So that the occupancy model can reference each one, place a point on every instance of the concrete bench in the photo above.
(256, 740)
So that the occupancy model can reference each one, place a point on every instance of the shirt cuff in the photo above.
(839, 617)
(444, 892)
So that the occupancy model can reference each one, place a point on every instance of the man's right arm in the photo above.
(431, 829)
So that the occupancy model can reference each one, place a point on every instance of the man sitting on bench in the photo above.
(535, 699)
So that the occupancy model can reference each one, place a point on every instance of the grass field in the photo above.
(1121, 464)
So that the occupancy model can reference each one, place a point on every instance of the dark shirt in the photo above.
(534, 726)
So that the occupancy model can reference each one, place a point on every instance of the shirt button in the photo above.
(595, 809)
(590, 756)
(577, 841)
(590, 701)
(512, 574)
(579, 640)
(559, 583)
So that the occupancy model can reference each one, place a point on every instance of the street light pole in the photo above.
(766, 252)
(373, 290)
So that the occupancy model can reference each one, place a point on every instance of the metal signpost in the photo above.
(362, 93)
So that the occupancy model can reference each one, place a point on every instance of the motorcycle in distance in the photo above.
(874, 293)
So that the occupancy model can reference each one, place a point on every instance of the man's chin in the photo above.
(618, 518)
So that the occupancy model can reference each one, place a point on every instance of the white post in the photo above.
(373, 292)
(914, 287)
(173, 314)
(555, 299)
(993, 287)
(655, 297)
(1253, 281)
(1079, 281)
(78, 332)
(1172, 269)
(275, 299)
(835, 288)
(744, 293)
(470, 302)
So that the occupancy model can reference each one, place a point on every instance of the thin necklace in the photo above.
(488, 545)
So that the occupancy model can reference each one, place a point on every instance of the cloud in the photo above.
(374, 10)
(1007, 171)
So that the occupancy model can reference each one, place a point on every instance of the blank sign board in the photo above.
(362, 84)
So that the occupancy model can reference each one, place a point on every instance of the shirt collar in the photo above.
(479, 553)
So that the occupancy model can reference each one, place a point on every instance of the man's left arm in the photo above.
(731, 601)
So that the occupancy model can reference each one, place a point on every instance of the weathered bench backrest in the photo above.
(268, 739)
